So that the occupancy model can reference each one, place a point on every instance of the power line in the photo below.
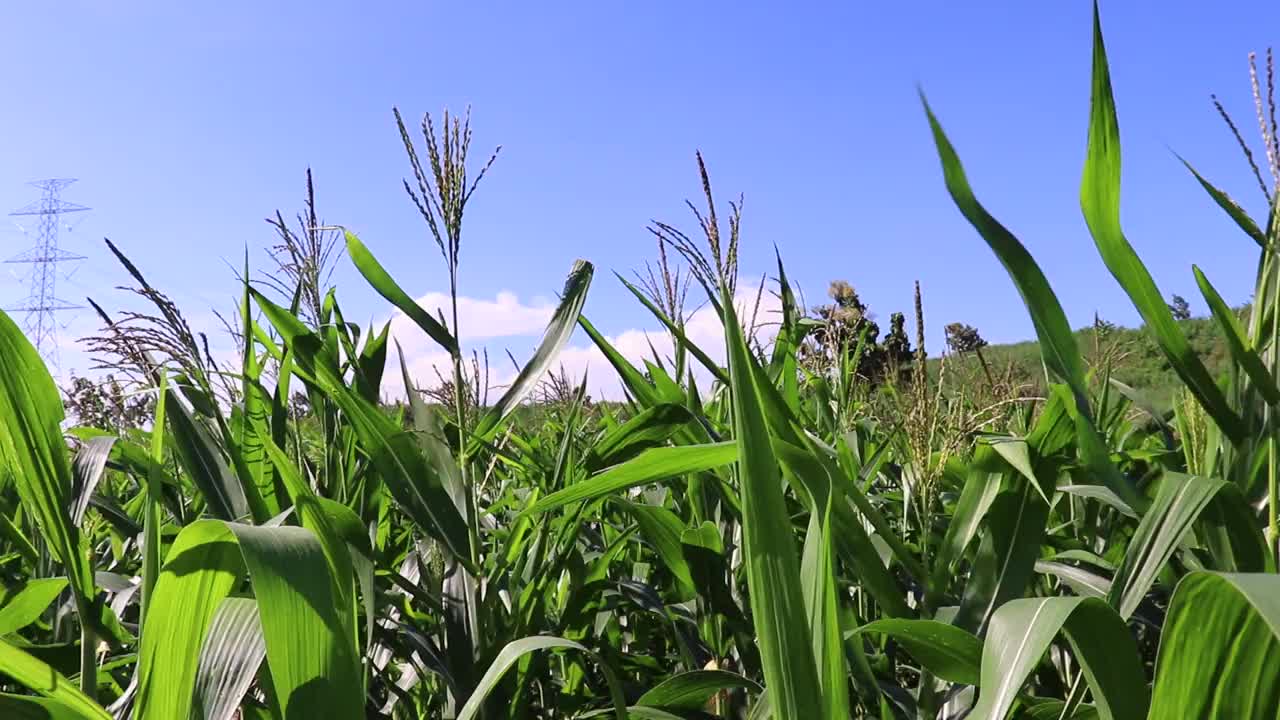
(42, 301)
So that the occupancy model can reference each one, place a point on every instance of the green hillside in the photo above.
(1136, 358)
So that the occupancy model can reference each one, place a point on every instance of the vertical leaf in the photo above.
(1100, 200)
(818, 582)
(32, 449)
(773, 572)
(1057, 342)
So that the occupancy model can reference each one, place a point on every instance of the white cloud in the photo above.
(507, 318)
(484, 322)
(503, 316)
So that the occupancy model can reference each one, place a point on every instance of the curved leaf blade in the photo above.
(381, 281)
(1022, 630)
(947, 651)
(557, 334)
(1100, 201)
(1229, 623)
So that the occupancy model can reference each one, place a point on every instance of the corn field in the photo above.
(278, 540)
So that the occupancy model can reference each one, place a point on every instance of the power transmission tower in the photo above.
(42, 302)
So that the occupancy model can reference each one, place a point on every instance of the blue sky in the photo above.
(187, 124)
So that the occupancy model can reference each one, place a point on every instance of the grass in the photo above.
(276, 540)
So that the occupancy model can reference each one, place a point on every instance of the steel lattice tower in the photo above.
(42, 301)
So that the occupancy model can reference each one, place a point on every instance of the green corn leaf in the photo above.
(415, 483)
(1006, 555)
(344, 538)
(35, 675)
(648, 428)
(26, 603)
(1082, 582)
(32, 449)
(512, 653)
(1218, 649)
(201, 568)
(373, 272)
(557, 334)
(677, 332)
(1100, 200)
(233, 651)
(21, 544)
(87, 471)
(662, 529)
(1237, 341)
(314, 666)
(430, 439)
(1229, 529)
(1022, 630)
(650, 466)
(151, 521)
(1230, 206)
(640, 389)
(945, 650)
(979, 492)
(692, 690)
(769, 549)
(787, 343)
(821, 598)
(1058, 345)
(203, 462)
(1177, 506)
(254, 411)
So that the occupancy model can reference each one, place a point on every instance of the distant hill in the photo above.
(1139, 362)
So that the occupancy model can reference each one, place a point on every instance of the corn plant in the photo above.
(280, 540)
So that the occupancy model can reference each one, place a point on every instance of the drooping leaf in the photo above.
(1230, 206)
(650, 466)
(1083, 582)
(87, 471)
(1058, 345)
(1020, 633)
(691, 690)
(513, 651)
(945, 650)
(648, 428)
